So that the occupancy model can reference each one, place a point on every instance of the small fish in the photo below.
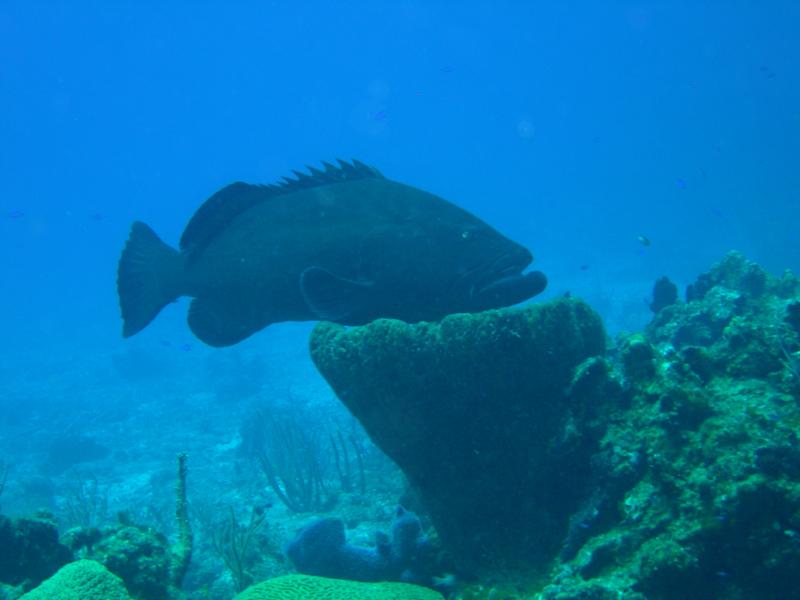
(584, 267)
(681, 183)
(98, 217)
(186, 347)
(447, 581)
(15, 214)
(769, 73)
(643, 240)
(447, 69)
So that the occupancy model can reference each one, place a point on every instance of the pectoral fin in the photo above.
(330, 297)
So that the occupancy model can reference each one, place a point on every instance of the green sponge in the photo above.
(80, 580)
(308, 587)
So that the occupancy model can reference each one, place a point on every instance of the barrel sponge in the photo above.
(80, 580)
(310, 587)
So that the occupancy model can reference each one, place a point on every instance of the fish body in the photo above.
(344, 244)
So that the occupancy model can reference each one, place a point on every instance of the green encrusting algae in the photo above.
(664, 467)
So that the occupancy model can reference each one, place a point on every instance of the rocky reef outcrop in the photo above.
(30, 551)
(664, 466)
(485, 413)
(714, 411)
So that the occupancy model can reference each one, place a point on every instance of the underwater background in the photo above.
(619, 141)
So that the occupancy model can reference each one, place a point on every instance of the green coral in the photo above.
(681, 445)
(738, 321)
(307, 587)
(80, 580)
(716, 510)
(638, 357)
(140, 555)
(485, 413)
(30, 551)
(182, 551)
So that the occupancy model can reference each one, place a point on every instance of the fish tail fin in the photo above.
(149, 277)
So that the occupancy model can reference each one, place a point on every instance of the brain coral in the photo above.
(80, 580)
(308, 587)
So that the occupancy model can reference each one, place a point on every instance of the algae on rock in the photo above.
(30, 550)
(665, 468)
(716, 511)
(477, 411)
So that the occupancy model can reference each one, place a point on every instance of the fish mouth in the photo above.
(503, 282)
(504, 267)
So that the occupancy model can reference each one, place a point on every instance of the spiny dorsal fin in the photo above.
(231, 201)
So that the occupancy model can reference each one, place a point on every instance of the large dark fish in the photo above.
(344, 244)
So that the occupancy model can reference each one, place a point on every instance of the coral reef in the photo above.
(141, 556)
(80, 580)
(665, 293)
(308, 587)
(30, 551)
(552, 463)
(666, 467)
(481, 412)
(235, 542)
(717, 507)
(320, 548)
(715, 510)
(182, 550)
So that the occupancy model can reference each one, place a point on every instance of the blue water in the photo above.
(572, 128)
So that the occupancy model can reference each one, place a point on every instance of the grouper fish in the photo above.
(342, 244)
